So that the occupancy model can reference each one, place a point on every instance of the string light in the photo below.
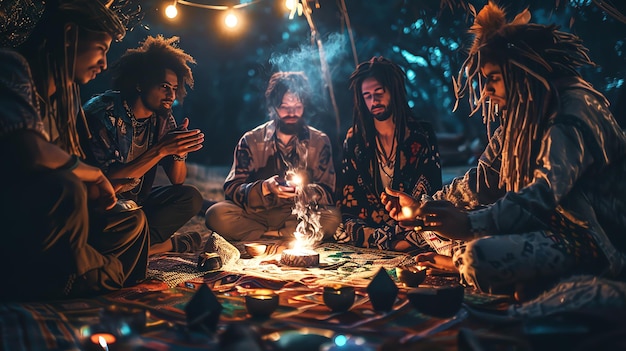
(171, 11)
(231, 20)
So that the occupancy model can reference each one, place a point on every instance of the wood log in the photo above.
(300, 258)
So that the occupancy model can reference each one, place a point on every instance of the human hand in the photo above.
(434, 260)
(401, 206)
(101, 192)
(279, 187)
(181, 141)
(445, 219)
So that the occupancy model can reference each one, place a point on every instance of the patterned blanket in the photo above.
(159, 305)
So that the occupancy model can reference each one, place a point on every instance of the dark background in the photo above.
(428, 38)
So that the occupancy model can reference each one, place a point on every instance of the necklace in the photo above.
(141, 140)
(387, 160)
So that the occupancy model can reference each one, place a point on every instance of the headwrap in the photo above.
(532, 57)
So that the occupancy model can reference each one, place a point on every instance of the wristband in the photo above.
(179, 158)
(71, 164)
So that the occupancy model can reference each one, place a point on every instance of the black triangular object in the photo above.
(203, 311)
(382, 291)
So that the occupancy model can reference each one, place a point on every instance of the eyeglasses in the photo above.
(284, 110)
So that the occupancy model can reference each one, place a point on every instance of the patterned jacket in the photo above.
(417, 173)
(257, 158)
(112, 134)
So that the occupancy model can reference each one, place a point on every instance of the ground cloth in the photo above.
(65, 325)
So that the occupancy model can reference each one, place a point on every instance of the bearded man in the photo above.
(259, 195)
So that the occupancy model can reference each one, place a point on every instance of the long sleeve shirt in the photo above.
(258, 157)
(578, 175)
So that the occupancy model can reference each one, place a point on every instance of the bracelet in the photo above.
(71, 164)
(179, 158)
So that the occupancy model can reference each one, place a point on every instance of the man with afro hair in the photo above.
(133, 131)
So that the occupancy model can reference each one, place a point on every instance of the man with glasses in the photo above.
(133, 131)
(260, 189)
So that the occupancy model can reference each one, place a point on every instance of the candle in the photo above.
(338, 298)
(261, 305)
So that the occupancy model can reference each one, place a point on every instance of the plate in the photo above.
(304, 339)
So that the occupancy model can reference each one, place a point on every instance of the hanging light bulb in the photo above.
(231, 20)
(290, 4)
(171, 11)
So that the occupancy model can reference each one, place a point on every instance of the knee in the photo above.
(136, 219)
(214, 215)
(191, 196)
(67, 193)
(195, 197)
(330, 220)
(473, 263)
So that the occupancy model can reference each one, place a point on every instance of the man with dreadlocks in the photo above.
(547, 199)
(386, 147)
(55, 210)
(134, 131)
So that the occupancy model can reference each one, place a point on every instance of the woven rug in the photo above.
(343, 264)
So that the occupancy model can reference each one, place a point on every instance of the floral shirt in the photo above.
(417, 173)
(112, 134)
(258, 157)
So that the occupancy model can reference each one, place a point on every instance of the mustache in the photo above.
(378, 106)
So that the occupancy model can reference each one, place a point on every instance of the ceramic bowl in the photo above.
(441, 302)
(338, 298)
(411, 276)
(261, 305)
(255, 249)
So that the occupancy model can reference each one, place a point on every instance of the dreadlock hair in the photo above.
(280, 83)
(49, 53)
(145, 67)
(531, 58)
(392, 78)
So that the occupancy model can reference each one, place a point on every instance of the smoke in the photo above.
(307, 59)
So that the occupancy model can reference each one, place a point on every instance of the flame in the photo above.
(309, 230)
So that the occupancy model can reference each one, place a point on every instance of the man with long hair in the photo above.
(133, 131)
(259, 196)
(60, 228)
(547, 199)
(386, 147)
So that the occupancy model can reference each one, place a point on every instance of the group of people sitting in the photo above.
(545, 200)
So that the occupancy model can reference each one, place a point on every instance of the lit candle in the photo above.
(103, 339)
(261, 305)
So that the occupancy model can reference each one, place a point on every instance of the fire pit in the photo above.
(300, 258)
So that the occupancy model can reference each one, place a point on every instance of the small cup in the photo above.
(255, 249)
(441, 302)
(411, 276)
(338, 298)
(261, 305)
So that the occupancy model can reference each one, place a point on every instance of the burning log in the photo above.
(300, 258)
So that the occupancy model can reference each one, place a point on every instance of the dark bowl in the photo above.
(338, 298)
(411, 276)
(261, 305)
(441, 302)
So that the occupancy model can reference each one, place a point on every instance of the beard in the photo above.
(290, 128)
(159, 109)
(383, 116)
